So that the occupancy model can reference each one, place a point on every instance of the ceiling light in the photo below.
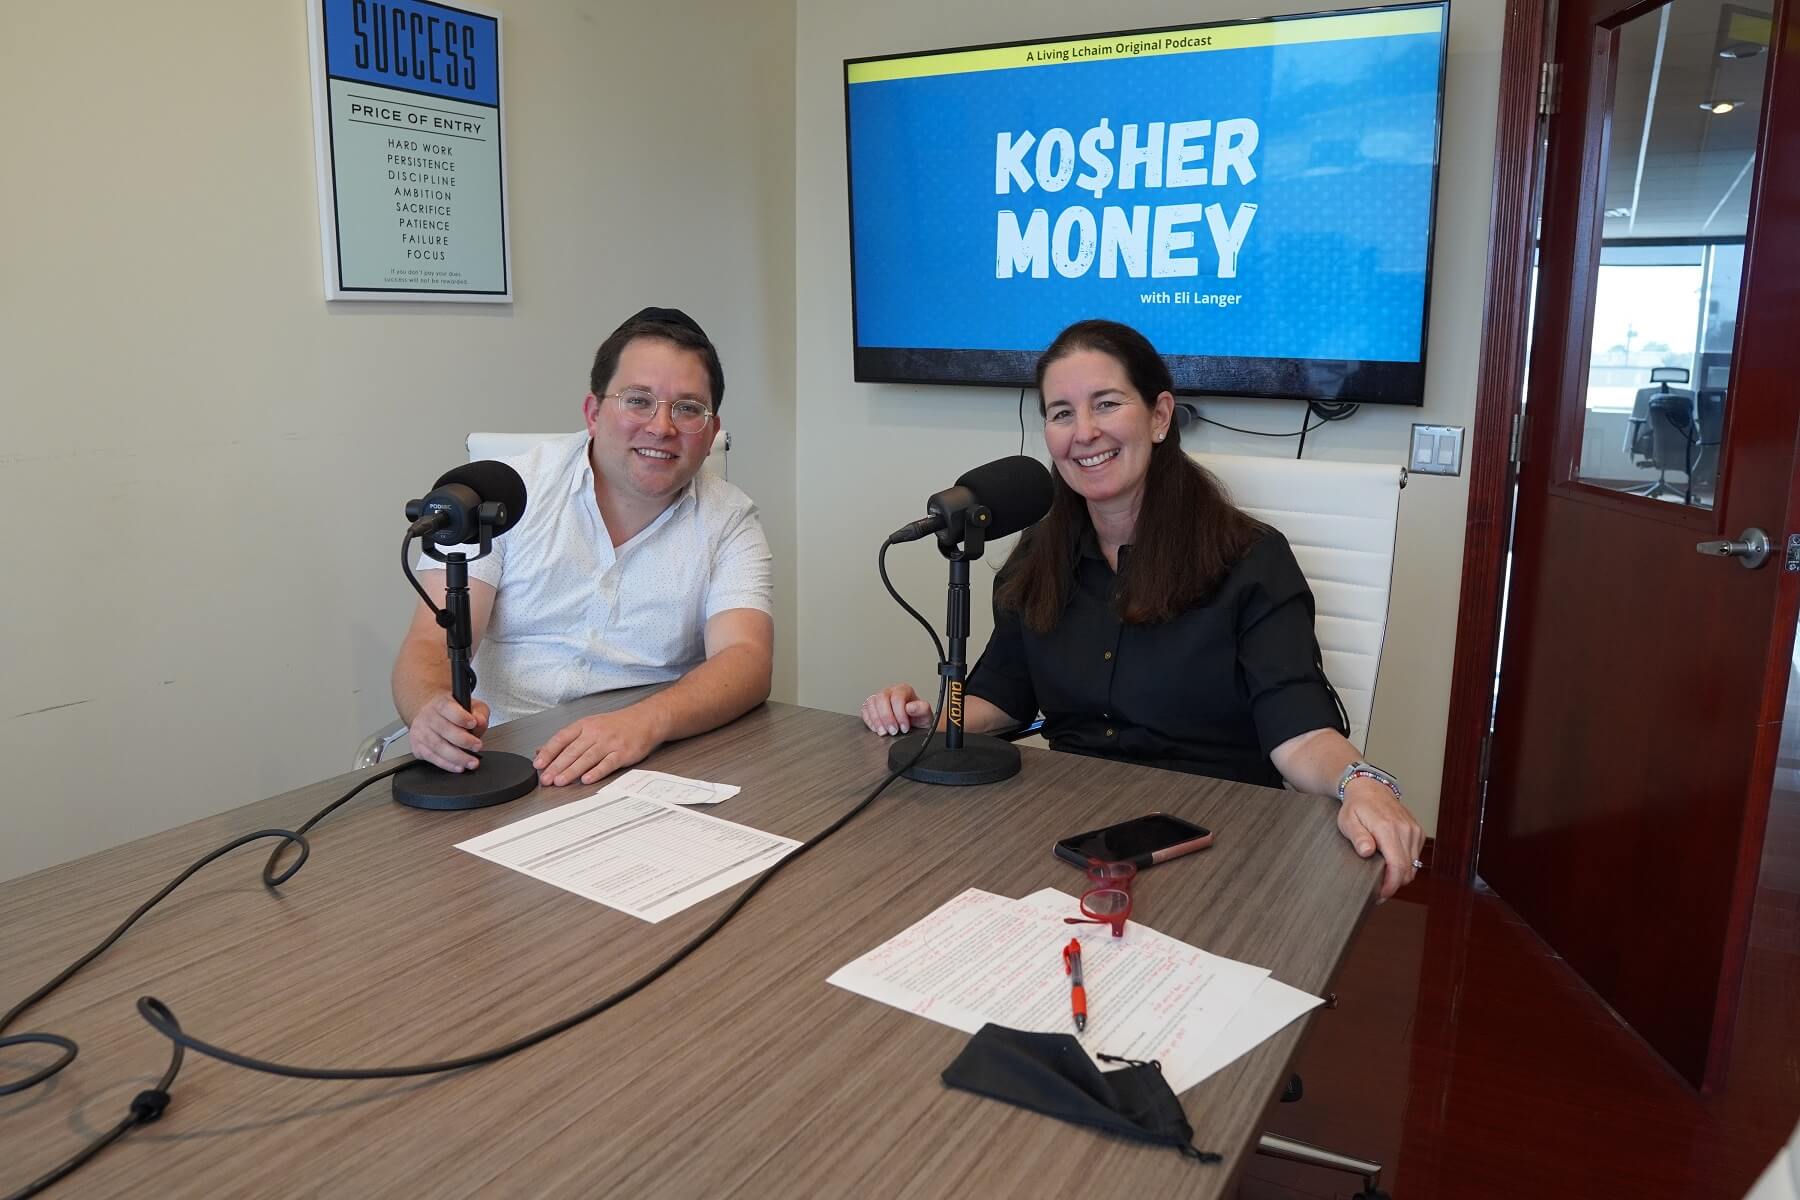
(1719, 108)
(1618, 212)
(1741, 50)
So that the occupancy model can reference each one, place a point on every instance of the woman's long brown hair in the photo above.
(1189, 534)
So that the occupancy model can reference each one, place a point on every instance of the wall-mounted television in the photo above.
(1256, 196)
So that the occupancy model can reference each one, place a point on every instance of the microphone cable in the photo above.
(994, 564)
(419, 529)
(149, 1105)
(1326, 413)
(936, 643)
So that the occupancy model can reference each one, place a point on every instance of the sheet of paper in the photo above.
(639, 855)
(983, 957)
(659, 785)
(1271, 1007)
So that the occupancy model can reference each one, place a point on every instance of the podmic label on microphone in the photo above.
(412, 188)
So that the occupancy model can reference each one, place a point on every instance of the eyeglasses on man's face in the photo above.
(689, 416)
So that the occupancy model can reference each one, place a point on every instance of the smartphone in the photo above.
(1143, 841)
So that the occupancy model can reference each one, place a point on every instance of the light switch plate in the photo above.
(1435, 450)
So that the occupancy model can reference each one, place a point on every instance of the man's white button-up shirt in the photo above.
(574, 615)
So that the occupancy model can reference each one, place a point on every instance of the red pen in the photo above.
(1077, 993)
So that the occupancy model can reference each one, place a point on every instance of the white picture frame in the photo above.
(409, 138)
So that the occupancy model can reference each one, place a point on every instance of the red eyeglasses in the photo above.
(1107, 900)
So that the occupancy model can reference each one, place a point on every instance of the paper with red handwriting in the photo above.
(984, 958)
(1271, 1008)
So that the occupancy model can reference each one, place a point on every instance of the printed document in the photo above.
(659, 785)
(1271, 1007)
(983, 958)
(635, 853)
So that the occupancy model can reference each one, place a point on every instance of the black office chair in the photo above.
(1709, 416)
(1673, 443)
(1662, 433)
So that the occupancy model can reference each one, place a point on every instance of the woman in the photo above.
(1151, 620)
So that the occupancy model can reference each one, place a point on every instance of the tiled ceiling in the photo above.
(1692, 177)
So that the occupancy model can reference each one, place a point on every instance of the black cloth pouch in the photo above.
(1050, 1073)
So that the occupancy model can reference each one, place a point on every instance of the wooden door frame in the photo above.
(1505, 321)
(1777, 189)
(1487, 528)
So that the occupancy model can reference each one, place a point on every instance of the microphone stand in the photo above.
(498, 777)
(962, 759)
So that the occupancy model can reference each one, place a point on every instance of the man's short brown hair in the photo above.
(666, 324)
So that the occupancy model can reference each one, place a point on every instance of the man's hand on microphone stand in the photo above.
(446, 734)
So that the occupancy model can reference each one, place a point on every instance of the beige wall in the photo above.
(872, 453)
(203, 463)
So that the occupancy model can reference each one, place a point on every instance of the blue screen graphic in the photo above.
(1264, 202)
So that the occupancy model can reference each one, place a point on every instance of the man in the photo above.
(629, 567)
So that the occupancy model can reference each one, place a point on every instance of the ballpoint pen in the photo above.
(1077, 993)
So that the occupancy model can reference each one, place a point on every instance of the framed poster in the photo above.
(408, 133)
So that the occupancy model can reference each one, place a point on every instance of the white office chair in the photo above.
(1340, 518)
(507, 445)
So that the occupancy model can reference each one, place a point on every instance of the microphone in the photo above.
(999, 498)
(991, 501)
(471, 504)
(464, 499)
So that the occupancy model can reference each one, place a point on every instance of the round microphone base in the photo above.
(499, 778)
(981, 759)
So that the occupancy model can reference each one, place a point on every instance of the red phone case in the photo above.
(1181, 848)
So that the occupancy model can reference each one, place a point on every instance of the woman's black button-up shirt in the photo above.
(1210, 692)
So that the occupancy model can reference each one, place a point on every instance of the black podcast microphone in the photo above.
(1001, 497)
(465, 498)
(991, 501)
(469, 505)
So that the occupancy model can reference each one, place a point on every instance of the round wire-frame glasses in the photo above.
(686, 414)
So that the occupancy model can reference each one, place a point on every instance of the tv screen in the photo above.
(1256, 197)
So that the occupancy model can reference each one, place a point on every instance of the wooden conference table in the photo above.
(740, 1073)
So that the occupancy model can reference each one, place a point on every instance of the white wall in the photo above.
(872, 453)
(203, 463)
